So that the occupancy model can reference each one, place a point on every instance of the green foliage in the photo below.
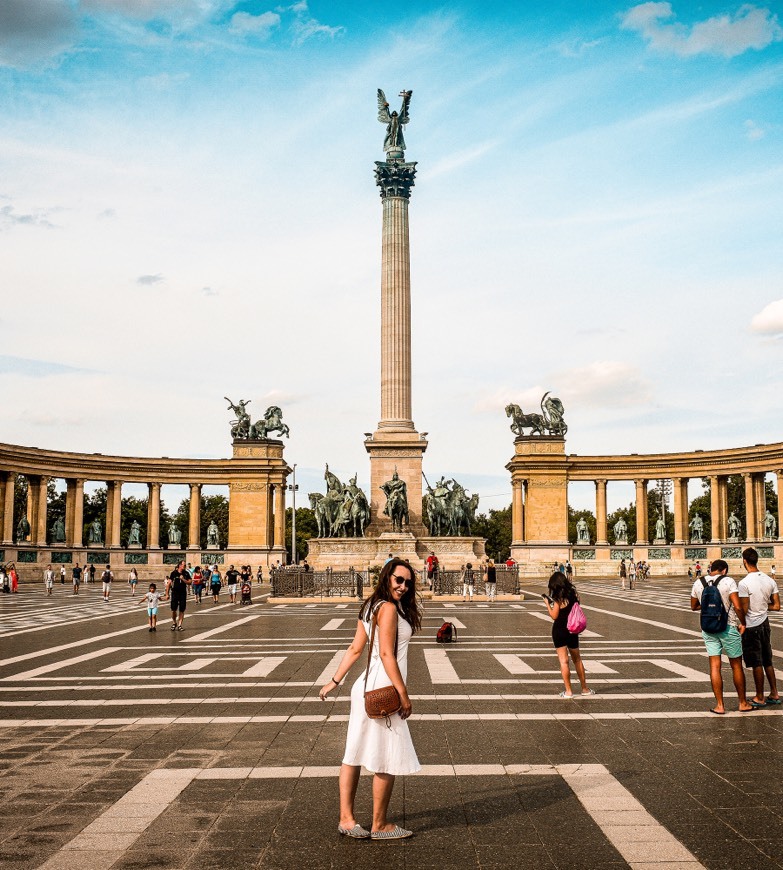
(306, 528)
(133, 509)
(214, 507)
(629, 515)
(574, 517)
(95, 509)
(496, 528)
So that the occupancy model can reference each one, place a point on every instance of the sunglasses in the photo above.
(401, 581)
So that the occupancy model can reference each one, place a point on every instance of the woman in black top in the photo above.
(561, 598)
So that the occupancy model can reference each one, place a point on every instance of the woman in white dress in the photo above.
(382, 746)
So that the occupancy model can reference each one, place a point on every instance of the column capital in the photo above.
(602, 481)
(154, 485)
(395, 178)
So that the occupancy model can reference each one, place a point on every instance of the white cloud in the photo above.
(769, 321)
(753, 131)
(606, 383)
(209, 291)
(528, 399)
(305, 27)
(9, 217)
(726, 35)
(149, 280)
(243, 23)
(35, 31)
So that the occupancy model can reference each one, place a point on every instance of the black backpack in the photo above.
(714, 616)
(447, 633)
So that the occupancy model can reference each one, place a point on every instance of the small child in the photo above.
(151, 599)
(133, 579)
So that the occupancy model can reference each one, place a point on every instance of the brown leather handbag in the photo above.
(384, 702)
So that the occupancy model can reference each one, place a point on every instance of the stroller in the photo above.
(245, 592)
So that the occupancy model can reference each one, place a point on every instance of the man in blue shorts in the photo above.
(729, 641)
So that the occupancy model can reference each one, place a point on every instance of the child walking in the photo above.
(151, 599)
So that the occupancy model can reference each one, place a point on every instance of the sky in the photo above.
(188, 211)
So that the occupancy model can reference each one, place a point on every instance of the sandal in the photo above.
(564, 695)
(397, 833)
(357, 832)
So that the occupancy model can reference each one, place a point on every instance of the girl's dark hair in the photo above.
(408, 606)
(561, 588)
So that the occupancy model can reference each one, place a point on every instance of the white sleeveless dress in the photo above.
(371, 743)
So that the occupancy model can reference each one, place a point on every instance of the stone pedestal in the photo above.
(134, 546)
(402, 452)
(360, 553)
(213, 547)
(660, 542)
(96, 545)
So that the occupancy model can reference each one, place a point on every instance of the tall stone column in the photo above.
(641, 512)
(716, 530)
(751, 520)
(723, 489)
(39, 528)
(153, 516)
(518, 512)
(759, 484)
(680, 489)
(9, 478)
(395, 445)
(779, 475)
(113, 514)
(194, 517)
(75, 513)
(279, 538)
(600, 514)
(270, 516)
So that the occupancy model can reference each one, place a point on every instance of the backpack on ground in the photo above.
(714, 616)
(447, 633)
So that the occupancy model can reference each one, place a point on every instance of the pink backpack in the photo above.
(577, 621)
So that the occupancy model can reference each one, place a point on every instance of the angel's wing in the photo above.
(406, 100)
(383, 108)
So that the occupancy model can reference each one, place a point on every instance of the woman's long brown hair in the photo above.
(408, 606)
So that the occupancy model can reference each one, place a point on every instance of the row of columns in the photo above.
(274, 533)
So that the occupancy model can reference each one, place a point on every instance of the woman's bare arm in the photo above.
(350, 658)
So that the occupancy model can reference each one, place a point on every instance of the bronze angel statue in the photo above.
(394, 143)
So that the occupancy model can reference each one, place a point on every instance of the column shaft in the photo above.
(279, 515)
(396, 410)
(723, 489)
(716, 530)
(751, 521)
(153, 516)
(600, 513)
(641, 512)
(759, 481)
(39, 529)
(680, 489)
(77, 527)
(270, 516)
(194, 517)
(113, 514)
(8, 507)
(517, 513)
(780, 503)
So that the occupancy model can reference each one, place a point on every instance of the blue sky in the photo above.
(187, 211)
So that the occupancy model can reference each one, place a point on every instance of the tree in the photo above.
(306, 528)
(629, 515)
(214, 508)
(133, 509)
(496, 528)
(574, 517)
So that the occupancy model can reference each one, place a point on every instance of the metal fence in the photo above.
(450, 582)
(295, 583)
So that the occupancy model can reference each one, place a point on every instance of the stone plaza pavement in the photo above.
(210, 748)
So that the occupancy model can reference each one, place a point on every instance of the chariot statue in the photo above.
(242, 429)
(549, 422)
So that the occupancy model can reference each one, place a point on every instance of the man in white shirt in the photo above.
(728, 641)
(758, 594)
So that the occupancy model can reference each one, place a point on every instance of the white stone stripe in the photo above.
(571, 710)
(594, 667)
(440, 668)
(332, 625)
(636, 835)
(220, 629)
(196, 665)
(55, 666)
(677, 668)
(514, 664)
(104, 842)
(328, 672)
(264, 666)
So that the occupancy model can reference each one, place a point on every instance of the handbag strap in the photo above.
(374, 620)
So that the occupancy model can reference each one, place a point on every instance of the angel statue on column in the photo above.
(394, 143)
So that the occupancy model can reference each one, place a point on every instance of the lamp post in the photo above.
(292, 487)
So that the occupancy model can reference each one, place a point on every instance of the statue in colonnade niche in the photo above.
(95, 533)
(770, 525)
(58, 531)
(697, 529)
(660, 529)
(621, 531)
(582, 531)
(22, 530)
(213, 535)
(735, 527)
(174, 535)
(134, 536)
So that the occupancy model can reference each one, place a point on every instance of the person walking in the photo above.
(106, 579)
(561, 598)
(62, 575)
(48, 579)
(133, 579)
(152, 599)
(632, 575)
(389, 617)
(491, 580)
(232, 578)
(728, 641)
(76, 571)
(91, 573)
(214, 583)
(198, 584)
(177, 592)
(468, 581)
(758, 594)
(623, 573)
(14, 578)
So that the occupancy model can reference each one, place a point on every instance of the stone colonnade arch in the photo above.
(541, 471)
(255, 475)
